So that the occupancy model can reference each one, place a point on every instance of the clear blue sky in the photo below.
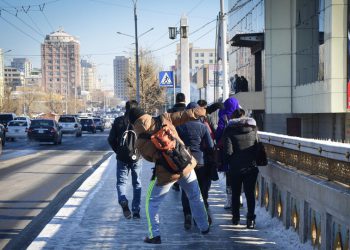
(95, 23)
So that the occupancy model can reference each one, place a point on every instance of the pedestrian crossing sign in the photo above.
(166, 79)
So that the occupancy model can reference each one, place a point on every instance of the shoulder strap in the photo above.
(158, 123)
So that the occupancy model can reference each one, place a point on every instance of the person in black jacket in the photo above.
(180, 105)
(239, 140)
(125, 164)
(196, 136)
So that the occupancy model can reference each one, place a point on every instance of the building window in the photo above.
(211, 61)
(196, 61)
(58, 79)
(196, 54)
(211, 54)
(202, 61)
(202, 54)
(49, 61)
(57, 61)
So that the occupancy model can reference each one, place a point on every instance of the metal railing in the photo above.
(330, 160)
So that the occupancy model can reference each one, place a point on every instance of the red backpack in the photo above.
(176, 156)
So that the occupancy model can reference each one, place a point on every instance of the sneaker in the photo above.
(176, 187)
(154, 240)
(126, 210)
(251, 222)
(136, 215)
(188, 221)
(206, 231)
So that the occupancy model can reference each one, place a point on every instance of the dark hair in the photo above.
(238, 113)
(131, 104)
(202, 103)
(180, 97)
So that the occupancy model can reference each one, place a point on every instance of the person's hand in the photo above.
(215, 106)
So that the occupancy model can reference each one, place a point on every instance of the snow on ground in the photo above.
(92, 219)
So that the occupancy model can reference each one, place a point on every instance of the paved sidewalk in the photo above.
(92, 219)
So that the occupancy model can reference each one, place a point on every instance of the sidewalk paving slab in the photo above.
(93, 219)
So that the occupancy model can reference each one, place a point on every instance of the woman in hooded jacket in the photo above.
(239, 140)
(230, 105)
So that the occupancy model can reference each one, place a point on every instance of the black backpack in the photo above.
(126, 150)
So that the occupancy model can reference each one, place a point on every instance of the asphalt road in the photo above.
(36, 180)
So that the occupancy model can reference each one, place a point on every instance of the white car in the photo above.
(70, 125)
(17, 129)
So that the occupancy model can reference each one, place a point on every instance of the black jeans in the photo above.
(204, 182)
(248, 179)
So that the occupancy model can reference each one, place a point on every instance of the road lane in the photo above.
(35, 184)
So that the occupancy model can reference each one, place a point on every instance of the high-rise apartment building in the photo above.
(121, 69)
(60, 62)
(23, 65)
(88, 76)
(13, 77)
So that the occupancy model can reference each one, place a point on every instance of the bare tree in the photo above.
(152, 97)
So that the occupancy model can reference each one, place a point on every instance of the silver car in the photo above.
(70, 125)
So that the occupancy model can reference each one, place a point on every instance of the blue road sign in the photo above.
(166, 79)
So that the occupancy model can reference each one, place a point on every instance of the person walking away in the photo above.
(230, 104)
(239, 140)
(122, 138)
(244, 84)
(180, 105)
(163, 178)
(195, 134)
(209, 158)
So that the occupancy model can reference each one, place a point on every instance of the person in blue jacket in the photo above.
(195, 134)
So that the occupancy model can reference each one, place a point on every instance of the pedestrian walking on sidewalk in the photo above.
(196, 136)
(231, 104)
(163, 178)
(239, 140)
(180, 105)
(122, 139)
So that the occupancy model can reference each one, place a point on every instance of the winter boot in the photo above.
(251, 222)
(228, 203)
(126, 210)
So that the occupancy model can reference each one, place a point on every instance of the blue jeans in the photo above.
(156, 194)
(123, 170)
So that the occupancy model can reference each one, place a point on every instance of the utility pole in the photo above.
(137, 56)
(184, 55)
(225, 90)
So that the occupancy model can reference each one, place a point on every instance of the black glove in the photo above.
(215, 106)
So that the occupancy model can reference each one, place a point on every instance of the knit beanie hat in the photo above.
(135, 113)
(192, 105)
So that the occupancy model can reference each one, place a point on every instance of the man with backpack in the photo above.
(153, 134)
(122, 139)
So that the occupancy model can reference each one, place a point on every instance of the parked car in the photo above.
(45, 130)
(88, 125)
(17, 129)
(6, 117)
(2, 134)
(99, 124)
(71, 125)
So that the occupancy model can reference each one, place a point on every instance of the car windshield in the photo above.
(21, 118)
(86, 121)
(66, 119)
(17, 123)
(97, 120)
(42, 123)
